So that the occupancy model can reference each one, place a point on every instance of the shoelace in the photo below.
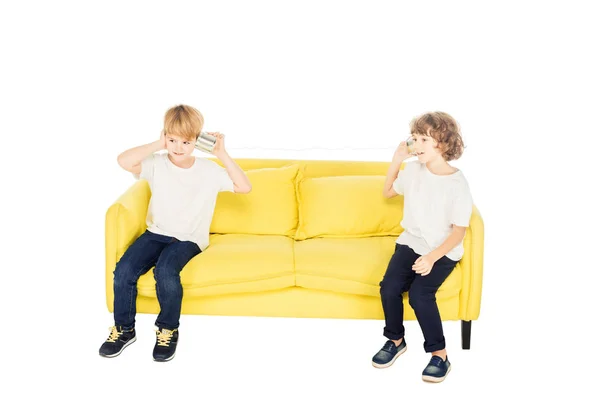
(164, 337)
(114, 334)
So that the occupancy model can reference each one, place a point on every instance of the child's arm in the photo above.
(460, 217)
(399, 157)
(131, 160)
(392, 174)
(241, 183)
(424, 263)
(454, 239)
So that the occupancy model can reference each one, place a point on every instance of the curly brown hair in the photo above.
(443, 129)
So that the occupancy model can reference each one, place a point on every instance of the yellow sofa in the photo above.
(312, 239)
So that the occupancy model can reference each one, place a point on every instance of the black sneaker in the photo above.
(388, 354)
(166, 343)
(117, 341)
(436, 370)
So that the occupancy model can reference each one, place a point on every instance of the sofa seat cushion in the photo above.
(234, 263)
(353, 265)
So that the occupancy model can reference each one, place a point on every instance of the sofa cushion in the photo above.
(353, 265)
(347, 206)
(269, 209)
(234, 264)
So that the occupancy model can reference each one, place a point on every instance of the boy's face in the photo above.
(426, 148)
(179, 147)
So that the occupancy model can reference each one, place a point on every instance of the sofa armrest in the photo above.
(472, 269)
(125, 222)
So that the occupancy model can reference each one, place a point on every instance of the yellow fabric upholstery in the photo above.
(347, 206)
(353, 266)
(125, 221)
(235, 264)
(273, 273)
(294, 302)
(316, 168)
(269, 209)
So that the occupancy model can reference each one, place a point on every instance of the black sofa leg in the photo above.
(466, 334)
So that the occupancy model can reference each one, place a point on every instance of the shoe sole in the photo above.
(163, 360)
(433, 379)
(120, 351)
(389, 364)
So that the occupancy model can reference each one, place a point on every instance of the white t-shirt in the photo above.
(432, 203)
(183, 199)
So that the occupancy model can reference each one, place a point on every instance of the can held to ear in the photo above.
(206, 142)
(410, 145)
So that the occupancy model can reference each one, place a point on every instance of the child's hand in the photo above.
(423, 265)
(401, 153)
(163, 140)
(219, 149)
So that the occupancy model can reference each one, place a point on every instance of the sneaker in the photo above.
(388, 354)
(117, 341)
(166, 343)
(436, 370)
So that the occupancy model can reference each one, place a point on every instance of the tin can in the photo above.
(410, 145)
(206, 142)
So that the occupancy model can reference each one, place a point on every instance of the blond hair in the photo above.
(183, 121)
(443, 129)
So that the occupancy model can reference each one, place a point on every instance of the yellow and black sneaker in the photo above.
(117, 341)
(166, 343)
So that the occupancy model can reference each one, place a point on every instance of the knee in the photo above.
(388, 288)
(166, 278)
(418, 298)
(122, 274)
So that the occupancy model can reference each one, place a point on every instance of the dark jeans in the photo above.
(399, 278)
(169, 256)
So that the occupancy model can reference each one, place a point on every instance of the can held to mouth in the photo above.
(206, 142)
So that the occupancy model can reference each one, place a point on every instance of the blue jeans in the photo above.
(400, 278)
(169, 256)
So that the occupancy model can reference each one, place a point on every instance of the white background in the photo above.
(82, 81)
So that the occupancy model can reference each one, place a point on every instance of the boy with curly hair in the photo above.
(437, 211)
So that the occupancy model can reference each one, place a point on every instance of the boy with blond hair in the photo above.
(437, 211)
(184, 191)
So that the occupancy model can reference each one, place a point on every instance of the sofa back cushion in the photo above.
(317, 168)
(346, 206)
(269, 209)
